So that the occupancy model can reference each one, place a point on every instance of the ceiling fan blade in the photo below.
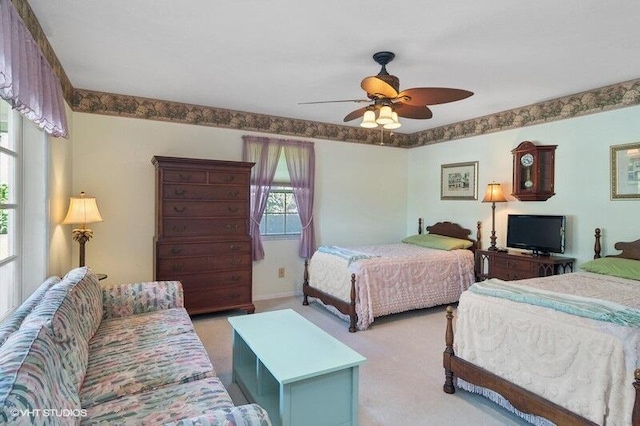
(355, 114)
(329, 102)
(412, 111)
(377, 88)
(432, 95)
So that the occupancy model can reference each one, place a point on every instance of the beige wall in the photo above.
(60, 175)
(581, 181)
(365, 194)
(361, 194)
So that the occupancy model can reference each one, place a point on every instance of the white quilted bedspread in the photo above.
(402, 278)
(581, 364)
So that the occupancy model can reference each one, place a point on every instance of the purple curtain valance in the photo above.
(27, 81)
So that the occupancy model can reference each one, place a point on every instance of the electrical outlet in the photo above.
(281, 273)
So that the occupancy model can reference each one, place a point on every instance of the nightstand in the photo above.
(510, 266)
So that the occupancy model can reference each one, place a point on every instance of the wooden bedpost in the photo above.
(353, 316)
(596, 247)
(305, 282)
(448, 353)
(479, 236)
(635, 417)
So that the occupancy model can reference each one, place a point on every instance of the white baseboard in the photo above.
(278, 295)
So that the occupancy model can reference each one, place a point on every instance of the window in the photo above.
(281, 215)
(9, 208)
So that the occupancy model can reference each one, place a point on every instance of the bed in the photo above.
(365, 282)
(555, 350)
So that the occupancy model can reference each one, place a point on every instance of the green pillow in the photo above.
(439, 242)
(614, 266)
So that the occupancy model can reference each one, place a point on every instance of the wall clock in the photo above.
(533, 171)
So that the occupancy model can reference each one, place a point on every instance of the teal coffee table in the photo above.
(297, 372)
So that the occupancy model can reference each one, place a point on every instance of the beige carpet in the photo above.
(401, 382)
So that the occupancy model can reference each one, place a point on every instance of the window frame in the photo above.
(288, 190)
(15, 149)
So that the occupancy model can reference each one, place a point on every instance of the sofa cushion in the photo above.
(166, 404)
(140, 365)
(85, 294)
(123, 300)
(249, 414)
(150, 326)
(14, 320)
(32, 377)
(57, 312)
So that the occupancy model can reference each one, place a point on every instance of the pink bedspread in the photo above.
(402, 278)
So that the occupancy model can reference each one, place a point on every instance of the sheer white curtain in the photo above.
(27, 81)
(300, 158)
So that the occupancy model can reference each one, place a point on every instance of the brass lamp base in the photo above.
(82, 235)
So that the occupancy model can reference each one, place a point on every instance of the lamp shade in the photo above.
(385, 115)
(494, 194)
(369, 120)
(394, 124)
(82, 210)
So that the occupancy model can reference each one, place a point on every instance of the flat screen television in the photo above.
(542, 234)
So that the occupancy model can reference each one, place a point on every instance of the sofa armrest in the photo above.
(121, 300)
(241, 415)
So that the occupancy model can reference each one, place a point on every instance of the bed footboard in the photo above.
(520, 398)
(346, 308)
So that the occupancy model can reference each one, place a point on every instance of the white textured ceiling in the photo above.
(266, 56)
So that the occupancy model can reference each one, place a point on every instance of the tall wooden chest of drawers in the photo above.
(202, 231)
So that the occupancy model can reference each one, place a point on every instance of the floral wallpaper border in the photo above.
(606, 98)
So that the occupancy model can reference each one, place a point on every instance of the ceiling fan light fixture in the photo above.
(385, 116)
(369, 120)
(394, 124)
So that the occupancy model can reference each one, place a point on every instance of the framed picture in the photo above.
(458, 181)
(625, 171)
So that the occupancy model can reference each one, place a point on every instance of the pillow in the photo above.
(439, 242)
(614, 266)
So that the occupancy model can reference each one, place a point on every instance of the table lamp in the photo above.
(493, 195)
(82, 210)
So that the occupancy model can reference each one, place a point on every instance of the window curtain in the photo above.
(300, 157)
(264, 153)
(27, 80)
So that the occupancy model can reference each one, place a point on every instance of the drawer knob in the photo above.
(234, 247)
(228, 179)
(179, 209)
(185, 177)
(235, 278)
(233, 193)
(180, 192)
(232, 209)
(177, 266)
(179, 228)
(232, 226)
(176, 250)
(236, 261)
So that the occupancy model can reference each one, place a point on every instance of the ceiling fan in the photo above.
(387, 102)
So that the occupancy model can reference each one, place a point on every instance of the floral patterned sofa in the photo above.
(76, 352)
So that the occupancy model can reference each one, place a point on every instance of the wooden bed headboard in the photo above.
(456, 231)
(630, 250)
